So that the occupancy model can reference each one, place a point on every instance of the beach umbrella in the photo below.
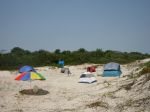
(28, 73)
(29, 76)
(26, 68)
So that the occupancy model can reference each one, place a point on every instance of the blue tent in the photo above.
(26, 68)
(111, 70)
(61, 63)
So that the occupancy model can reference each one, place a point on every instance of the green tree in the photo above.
(57, 51)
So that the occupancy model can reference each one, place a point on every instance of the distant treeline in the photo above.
(19, 57)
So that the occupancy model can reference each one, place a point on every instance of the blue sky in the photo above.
(122, 25)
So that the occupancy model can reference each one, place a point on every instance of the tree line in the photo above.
(18, 57)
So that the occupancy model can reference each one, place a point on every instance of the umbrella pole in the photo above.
(30, 84)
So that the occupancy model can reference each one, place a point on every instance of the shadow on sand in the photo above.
(31, 92)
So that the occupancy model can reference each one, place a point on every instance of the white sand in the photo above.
(67, 95)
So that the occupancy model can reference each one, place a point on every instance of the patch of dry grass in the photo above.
(98, 104)
(110, 95)
(133, 103)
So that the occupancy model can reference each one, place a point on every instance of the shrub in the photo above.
(145, 70)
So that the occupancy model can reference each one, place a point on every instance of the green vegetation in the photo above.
(146, 68)
(19, 57)
(145, 71)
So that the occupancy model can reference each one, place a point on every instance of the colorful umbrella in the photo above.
(29, 76)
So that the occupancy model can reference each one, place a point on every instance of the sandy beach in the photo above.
(63, 93)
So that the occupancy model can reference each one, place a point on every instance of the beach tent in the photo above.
(112, 69)
(26, 68)
(91, 69)
(87, 77)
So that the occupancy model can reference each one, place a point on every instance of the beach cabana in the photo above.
(112, 69)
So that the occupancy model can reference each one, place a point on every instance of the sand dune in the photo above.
(65, 94)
